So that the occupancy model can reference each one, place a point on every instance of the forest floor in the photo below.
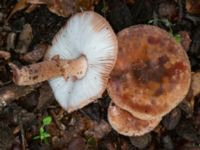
(27, 109)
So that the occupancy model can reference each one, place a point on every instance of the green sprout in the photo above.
(105, 7)
(91, 142)
(169, 25)
(44, 135)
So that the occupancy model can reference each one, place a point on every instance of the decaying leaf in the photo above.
(6, 136)
(25, 39)
(11, 38)
(98, 129)
(35, 55)
(193, 7)
(31, 8)
(13, 92)
(196, 83)
(45, 96)
(185, 40)
(21, 4)
(187, 104)
(62, 8)
(5, 55)
(130, 1)
(65, 8)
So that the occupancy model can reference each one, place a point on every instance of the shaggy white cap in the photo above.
(87, 34)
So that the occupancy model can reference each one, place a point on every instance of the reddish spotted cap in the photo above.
(126, 124)
(152, 73)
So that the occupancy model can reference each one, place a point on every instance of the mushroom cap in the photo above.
(152, 73)
(90, 35)
(126, 124)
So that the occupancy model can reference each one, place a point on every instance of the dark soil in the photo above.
(88, 128)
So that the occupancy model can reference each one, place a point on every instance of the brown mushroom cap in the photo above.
(126, 124)
(152, 73)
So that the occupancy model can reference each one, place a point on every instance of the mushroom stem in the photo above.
(39, 72)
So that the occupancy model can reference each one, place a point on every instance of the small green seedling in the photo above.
(169, 25)
(91, 142)
(43, 135)
(105, 7)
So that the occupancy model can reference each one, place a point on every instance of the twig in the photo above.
(195, 20)
(180, 5)
(57, 122)
(22, 136)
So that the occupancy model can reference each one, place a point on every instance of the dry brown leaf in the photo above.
(98, 129)
(129, 1)
(45, 96)
(21, 4)
(193, 7)
(65, 8)
(35, 55)
(25, 39)
(4, 54)
(187, 104)
(62, 8)
(12, 92)
(31, 8)
(37, 1)
(185, 40)
(196, 83)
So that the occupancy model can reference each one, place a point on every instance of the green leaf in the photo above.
(105, 7)
(46, 135)
(41, 130)
(92, 142)
(43, 135)
(177, 38)
(153, 21)
(166, 22)
(47, 120)
(150, 21)
(36, 137)
(46, 141)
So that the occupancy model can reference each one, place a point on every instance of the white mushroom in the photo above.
(87, 49)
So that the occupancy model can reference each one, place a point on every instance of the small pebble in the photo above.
(167, 142)
(141, 142)
(98, 129)
(77, 144)
(171, 120)
(6, 136)
(187, 131)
